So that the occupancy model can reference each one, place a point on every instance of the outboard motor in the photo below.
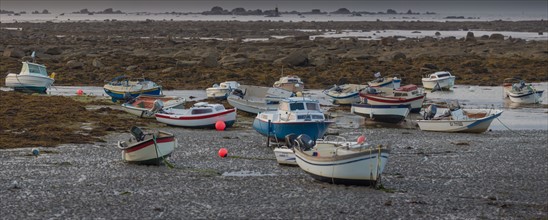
(156, 107)
(305, 142)
(290, 140)
(371, 90)
(137, 133)
(430, 112)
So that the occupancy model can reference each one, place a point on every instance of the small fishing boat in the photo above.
(290, 83)
(297, 115)
(507, 85)
(32, 78)
(201, 115)
(408, 94)
(145, 106)
(147, 148)
(222, 90)
(345, 94)
(441, 80)
(255, 99)
(339, 161)
(382, 113)
(391, 82)
(124, 88)
(456, 119)
(522, 93)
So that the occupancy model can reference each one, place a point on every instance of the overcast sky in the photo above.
(445, 6)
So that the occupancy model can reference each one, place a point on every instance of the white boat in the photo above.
(295, 115)
(32, 78)
(201, 115)
(441, 80)
(390, 82)
(122, 88)
(340, 161)
(255, 99)
(522, 93)
(290, 83)
(222, 90)
(147, 148)
(382, 113)
(345, 94)
(507, 85)
(285, 156)
(405, 95)
(145, 106)
(456, 119)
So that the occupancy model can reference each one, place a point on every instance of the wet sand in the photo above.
(495, 175)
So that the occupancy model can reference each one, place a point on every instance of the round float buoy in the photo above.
(361, 139)
(220, 125)
(223, 152)
(35, 152)
(79, 92)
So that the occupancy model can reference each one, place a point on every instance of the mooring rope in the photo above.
(509, 128)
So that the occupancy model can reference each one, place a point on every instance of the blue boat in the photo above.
(295, 115)
(122, 88)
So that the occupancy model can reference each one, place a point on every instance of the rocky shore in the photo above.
(495, 175)
(197, 54)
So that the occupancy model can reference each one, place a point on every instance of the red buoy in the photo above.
(361, 139)
(223, 152)
(220, 125)
(79, 92)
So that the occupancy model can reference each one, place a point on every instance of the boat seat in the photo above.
(137, 133)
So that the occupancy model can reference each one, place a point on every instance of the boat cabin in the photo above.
(299, 108)
(407, 90)
(29, 68)
(441, 74)
(205, 108)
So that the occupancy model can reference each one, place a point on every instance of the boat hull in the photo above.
(285, 156)
(444, 83)
(363, 168)
(478, 125)
(416, 102)
(279, 129)
(530, 97)
(382, 113)
(198, 121)
(346, 99)
(147, 152)
(142, 105)
(216, 93)
(31, 83)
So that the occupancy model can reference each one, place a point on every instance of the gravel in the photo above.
(494, 175)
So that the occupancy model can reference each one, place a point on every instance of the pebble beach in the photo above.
(494, 175)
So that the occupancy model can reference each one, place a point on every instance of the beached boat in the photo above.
(522, 93)
(391, 82)
(147, 148)
(455, 119)
(222, 90)
(345, 94)
(290, 83)
(255, 99)
(297, 115)
(124, 88)
(339, 161)
(145, 106)
(441, 80)
(405, 95)
(382, 113)
(507, 85)
(201, 115)
(32, 78)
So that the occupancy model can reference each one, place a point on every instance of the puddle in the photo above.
(245, 173)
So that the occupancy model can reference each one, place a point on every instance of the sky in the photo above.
(444, 6)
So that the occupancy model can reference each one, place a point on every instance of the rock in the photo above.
(430, 66)
(496, 36)
(167, 70)
(14, 52)
(232, 61)
(209, 59)
(187, 63)
(297, 58)
(356, 55)
(97, 63)
(470, 37)
(131, 68)
(437, 34)
(399, 56)
(388, 41)
(73, 64)
(54, 51)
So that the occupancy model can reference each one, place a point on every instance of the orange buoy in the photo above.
(361, 139)
(220, 125)
(223, 152)
(79, 92)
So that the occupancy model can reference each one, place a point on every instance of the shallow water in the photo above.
(515, 116)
